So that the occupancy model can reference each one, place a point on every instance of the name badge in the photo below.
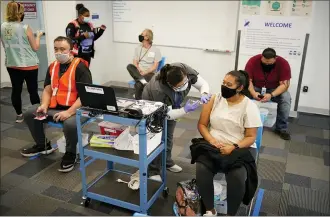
(263, 91)
(151, 54)
(55, 91)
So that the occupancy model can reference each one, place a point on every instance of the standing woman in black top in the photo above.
(83, 34)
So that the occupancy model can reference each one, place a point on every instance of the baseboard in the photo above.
(5, 84)
(314, 110)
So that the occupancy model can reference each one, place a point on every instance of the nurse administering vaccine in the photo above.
(171, 86)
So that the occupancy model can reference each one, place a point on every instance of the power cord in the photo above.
(155, 121)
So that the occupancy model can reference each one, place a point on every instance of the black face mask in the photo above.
(141, 38)
(22, 18)
(227, 92)
(267, 68)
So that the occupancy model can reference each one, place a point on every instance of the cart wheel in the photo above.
(166, 191)
(87, 202)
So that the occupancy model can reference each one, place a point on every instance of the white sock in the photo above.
(143, 81)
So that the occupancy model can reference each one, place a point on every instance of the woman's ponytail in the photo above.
(246, 82)
(162, 76)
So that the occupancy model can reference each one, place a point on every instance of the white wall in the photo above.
(57, 16)
(212, 66)
(111, 58)
(101, 65)
(316, 73)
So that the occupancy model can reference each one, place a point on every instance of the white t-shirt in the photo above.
(228, 123)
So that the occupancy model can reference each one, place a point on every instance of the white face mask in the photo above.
(62, 57)
(183, 88)
(87, 19)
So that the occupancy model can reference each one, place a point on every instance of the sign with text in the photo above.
(30, 10)
(286, 36)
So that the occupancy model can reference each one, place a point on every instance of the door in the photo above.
(34, 17)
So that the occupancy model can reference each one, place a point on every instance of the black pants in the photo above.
(134, 72)
(156, 165)
(235, 179)
(17, 77)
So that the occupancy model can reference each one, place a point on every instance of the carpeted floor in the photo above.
(294, 174)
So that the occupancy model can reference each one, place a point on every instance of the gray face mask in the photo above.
(62, 57)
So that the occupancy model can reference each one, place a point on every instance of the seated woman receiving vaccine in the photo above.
(228, 124)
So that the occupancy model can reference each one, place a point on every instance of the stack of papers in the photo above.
(102, 141)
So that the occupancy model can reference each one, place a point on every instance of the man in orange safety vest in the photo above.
(59, 103)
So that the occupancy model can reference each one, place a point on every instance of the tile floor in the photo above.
(294, 174)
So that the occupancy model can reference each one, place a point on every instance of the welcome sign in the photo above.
(284, 35)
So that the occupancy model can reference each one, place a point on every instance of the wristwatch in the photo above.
(272, 95)
(236, 146)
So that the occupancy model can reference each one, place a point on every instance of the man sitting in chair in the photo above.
(60, 101)
(145, 62)
(269, 81)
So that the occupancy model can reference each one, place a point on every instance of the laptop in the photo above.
(99, 98)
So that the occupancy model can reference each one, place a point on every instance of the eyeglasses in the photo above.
(177, 88)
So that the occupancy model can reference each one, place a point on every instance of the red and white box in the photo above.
(112, 129)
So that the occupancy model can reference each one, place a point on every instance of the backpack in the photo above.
(188, 200)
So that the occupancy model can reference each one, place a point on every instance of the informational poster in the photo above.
(30, 10)
(276, 8)
(284, 35)
(301, 8)
(251, 7)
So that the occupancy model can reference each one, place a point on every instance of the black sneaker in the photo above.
(36, 150)
(68, 162)
(283, 134)
(19, 118)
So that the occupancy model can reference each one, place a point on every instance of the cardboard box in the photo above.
(153, 141)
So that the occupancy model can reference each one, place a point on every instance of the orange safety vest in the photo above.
(64, 91)
(75, 49)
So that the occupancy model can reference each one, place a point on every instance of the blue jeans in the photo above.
(283, 108)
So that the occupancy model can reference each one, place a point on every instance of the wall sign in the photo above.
(30, 10)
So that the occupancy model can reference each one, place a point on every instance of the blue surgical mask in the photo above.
(87, 19)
